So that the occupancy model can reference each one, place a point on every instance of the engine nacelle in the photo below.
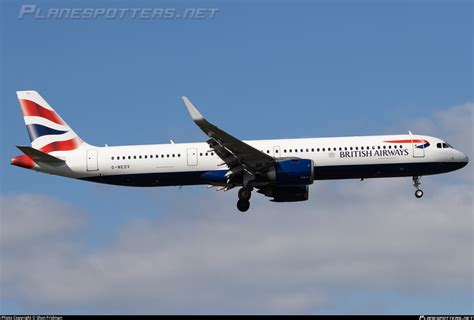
(292, 172)
(286, 194)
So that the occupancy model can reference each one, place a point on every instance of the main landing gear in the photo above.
(244, 196)
(416, 184)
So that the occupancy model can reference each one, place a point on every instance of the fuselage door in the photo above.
(92, 160)
(418, 147)
(192, 157)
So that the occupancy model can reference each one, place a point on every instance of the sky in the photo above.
(260, 70)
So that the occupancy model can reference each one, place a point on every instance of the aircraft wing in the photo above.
(236, 154)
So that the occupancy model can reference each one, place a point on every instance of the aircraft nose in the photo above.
(463, 159)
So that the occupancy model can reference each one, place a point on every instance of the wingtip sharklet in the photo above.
(195, 114)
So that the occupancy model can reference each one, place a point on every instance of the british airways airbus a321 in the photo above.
(280, 169)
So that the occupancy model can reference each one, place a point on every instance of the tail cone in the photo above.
(23, 161)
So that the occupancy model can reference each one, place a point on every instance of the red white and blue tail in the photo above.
(47, 130)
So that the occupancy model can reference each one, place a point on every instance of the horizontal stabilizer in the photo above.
(39, 156)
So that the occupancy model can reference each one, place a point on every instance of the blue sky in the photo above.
(263, 69)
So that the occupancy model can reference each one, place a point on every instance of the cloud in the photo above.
(272, 260)
(455, 125)
(27, 219)
(204, 257)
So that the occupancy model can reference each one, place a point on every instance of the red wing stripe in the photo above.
(62, 145)
(407, 141)
(32, 109)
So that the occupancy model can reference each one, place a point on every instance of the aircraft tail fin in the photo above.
(47, 130)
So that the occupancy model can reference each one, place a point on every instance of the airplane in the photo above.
(281, 169)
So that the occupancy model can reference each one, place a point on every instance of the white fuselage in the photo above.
(185, 163)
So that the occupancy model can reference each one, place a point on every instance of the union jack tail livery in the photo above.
(47, 130)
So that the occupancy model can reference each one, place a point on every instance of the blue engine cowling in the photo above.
(286, 194)
(292, 172)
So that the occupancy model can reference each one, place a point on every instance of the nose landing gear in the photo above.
(416, 184)
(419, 193)
(244, 196)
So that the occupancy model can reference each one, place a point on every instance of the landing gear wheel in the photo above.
(245, 194)
(243, 205)
(419, 193)
(416, 184)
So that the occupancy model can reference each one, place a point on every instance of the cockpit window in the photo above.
(443, 145)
